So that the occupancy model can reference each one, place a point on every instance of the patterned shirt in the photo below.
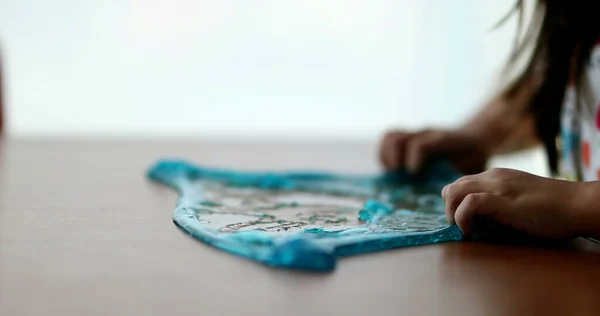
(580, 126)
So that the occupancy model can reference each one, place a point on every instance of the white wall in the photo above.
(246, 68)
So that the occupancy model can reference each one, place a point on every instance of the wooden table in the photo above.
(82, 232)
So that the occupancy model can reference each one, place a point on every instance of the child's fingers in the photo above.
(385, 149)
(392, 150)
(454, 194)
(420, 147)
(477, 204)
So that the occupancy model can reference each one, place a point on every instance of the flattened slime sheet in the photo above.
(306, 220)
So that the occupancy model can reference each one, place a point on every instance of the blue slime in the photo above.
(399, 210)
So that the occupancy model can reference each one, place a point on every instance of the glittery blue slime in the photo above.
(306, 220)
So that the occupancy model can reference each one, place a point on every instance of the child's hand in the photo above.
(410, 150)
(535, 205)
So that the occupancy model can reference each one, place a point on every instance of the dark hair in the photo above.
(561, 37)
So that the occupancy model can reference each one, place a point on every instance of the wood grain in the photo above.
(82, 232)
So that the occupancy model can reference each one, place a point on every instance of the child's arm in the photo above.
(505, 122)
(504, 125)
(587, 215)
(502, 128)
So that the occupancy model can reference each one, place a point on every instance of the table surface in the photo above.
(82, 232)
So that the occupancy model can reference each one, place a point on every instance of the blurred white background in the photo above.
(343, 69)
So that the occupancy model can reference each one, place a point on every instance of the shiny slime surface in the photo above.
(306, 220)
